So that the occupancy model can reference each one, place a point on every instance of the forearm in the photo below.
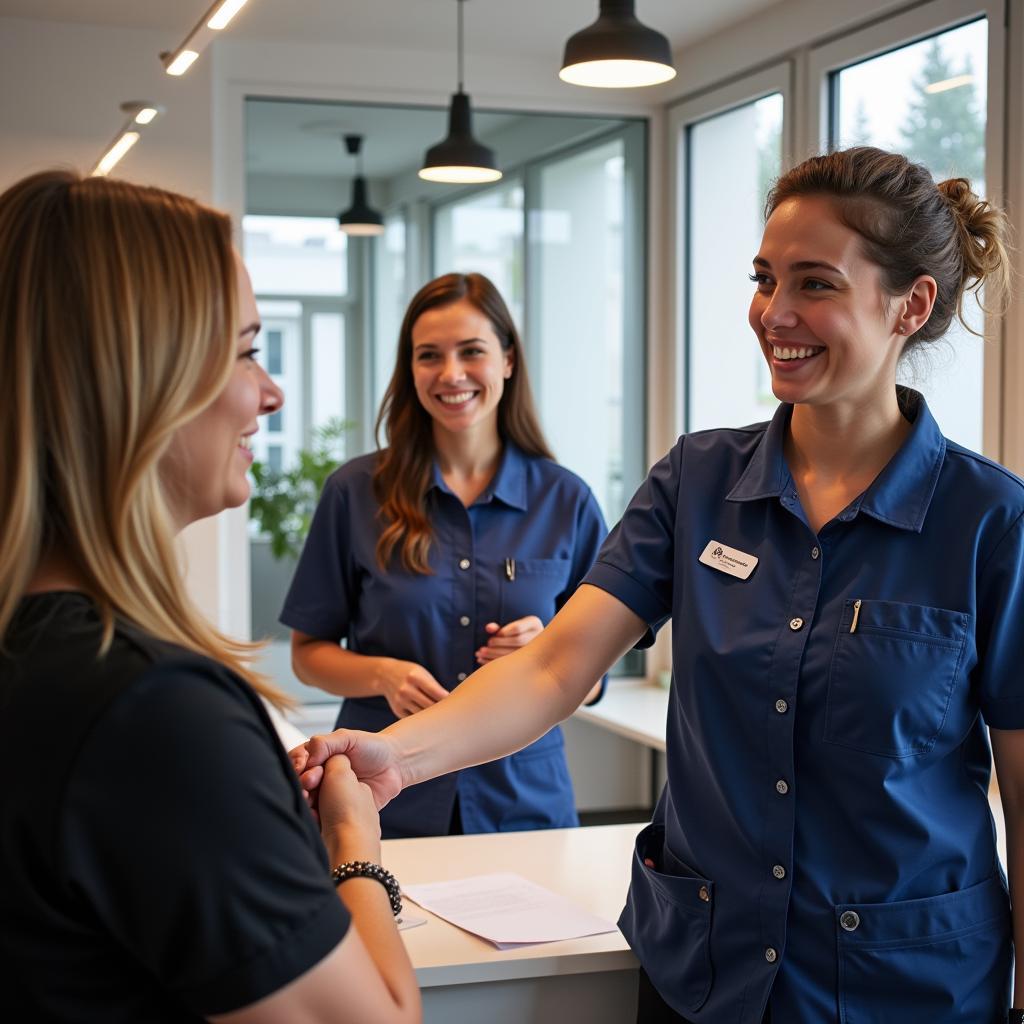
(325, 665)
(1015, 875)
(513, 700)
(367, 901)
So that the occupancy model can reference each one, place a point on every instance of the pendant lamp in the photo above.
(617, 51)
(460, 158)
(360, 218)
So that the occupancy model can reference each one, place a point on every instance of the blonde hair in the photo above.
(117, 326)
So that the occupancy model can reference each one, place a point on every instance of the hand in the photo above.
(408, 687)
(508, 638)
(348, 815)
(370, 754)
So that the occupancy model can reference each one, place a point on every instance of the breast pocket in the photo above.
(530, 586)
(893, 673)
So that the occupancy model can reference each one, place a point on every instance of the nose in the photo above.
(778, 312)
(452, 369)
(271, 395)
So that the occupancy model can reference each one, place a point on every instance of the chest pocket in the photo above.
(893, 673)
(536, 584)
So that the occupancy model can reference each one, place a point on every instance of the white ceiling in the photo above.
(535, 28)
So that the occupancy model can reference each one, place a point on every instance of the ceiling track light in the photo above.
(460, 158)
(360, 219)
(617, 51)
(139, 114)
(177, 62)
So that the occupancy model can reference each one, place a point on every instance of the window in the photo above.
(483, 232)
(740, 127)
(928, 100)
(729, 380)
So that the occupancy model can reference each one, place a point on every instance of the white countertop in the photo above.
(637, 711)
(589, 866)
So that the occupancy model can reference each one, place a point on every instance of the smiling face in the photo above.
(459, 368)
(826, 326)
(206, 464)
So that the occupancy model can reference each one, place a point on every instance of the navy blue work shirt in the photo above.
(824, 843)
(534, 513)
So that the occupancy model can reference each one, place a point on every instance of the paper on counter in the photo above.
(507, 910)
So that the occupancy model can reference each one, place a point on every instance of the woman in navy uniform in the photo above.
(846, 590)
(446, 550)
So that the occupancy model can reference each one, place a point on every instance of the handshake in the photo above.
(344, 770)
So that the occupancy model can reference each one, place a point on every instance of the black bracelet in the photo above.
(366, 869)
(1015, 1017)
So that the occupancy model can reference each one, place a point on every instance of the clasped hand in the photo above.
(373, 762)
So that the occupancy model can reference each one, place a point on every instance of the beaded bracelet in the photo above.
(1015, 1016)
(366, 869)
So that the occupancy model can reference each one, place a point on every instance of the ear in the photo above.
(916, 306)
(510, 362)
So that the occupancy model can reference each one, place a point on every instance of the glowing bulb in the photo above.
(460, 175)
(225, 13)
(182, 62)
(114, 154)
(617, 74)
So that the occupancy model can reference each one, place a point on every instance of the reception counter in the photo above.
(465, 980)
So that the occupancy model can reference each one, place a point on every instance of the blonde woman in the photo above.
(159, 862)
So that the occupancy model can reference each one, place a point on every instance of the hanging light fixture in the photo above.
(360, 218)
(460, 158)
(617, 51)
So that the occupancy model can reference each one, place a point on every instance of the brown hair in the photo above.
(911, 226)
(117, 326)
(403, 470)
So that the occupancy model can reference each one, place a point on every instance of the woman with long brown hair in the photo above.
(159, 861)
(449, 548)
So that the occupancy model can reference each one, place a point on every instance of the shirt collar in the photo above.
(508, 485)
(900, 494)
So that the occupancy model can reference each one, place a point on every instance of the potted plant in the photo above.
(283, 501)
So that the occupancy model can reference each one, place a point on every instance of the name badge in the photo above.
(729, 560)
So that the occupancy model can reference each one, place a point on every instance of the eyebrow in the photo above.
(465, 341)
(760, 261)
(255, 327)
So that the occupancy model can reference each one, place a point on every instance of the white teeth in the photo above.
(246, 442)
(462, 396)
(780, 352)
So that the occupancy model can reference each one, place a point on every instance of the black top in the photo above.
(157, 859)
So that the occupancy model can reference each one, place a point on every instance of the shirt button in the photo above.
(782, 787)
(850, 921)
(795, 624)
(770, 955)
(779, 872)
(465, 563)
(703, 893)
(781, 706)
(815, 552)
(464, 621)
(461, 676)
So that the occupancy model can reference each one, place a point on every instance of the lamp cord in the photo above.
(459, 3)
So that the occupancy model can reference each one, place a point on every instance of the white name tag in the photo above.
(730, 560)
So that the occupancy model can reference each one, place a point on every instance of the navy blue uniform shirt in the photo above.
(534, 512)
(824, 839)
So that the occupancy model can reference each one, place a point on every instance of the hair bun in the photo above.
(982, 229)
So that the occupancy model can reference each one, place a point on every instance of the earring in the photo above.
(901, 329)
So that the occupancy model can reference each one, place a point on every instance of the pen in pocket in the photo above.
(510, 570)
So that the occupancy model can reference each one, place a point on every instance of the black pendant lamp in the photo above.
(460, 158)
(360, 218)
(617, 51)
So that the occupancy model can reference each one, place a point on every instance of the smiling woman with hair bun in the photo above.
(846, 592)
